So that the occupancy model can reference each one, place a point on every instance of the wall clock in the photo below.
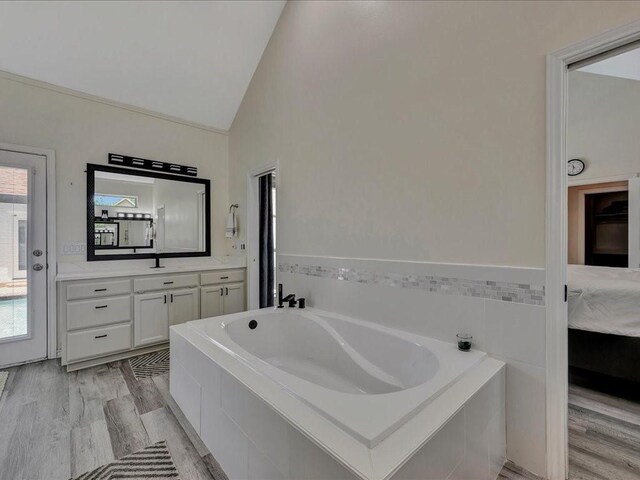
(575, 167)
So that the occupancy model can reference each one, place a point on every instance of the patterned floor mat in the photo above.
(150, 365)
(152, 462)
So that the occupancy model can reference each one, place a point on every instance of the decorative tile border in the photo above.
(502, 291)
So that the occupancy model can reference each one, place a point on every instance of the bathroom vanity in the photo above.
(118, 314)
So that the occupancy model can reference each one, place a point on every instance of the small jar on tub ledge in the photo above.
(464, 341)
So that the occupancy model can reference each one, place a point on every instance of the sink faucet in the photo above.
(291, 298)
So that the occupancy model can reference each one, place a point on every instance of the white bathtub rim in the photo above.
(378, 463)
(367, 418)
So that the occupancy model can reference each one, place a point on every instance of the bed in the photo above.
(604, 320)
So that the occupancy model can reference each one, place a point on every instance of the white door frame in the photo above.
(556, 236)
(50, 157)
(253, 232)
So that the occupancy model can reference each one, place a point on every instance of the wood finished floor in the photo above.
(604, 438)
(56, 425)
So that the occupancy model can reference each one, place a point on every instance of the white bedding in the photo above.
(604, 299)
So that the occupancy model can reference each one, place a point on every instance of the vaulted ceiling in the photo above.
(191, 59)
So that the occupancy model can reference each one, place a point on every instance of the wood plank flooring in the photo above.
(56, 425)
(604, 438)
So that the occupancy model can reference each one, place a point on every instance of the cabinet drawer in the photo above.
(211, 278)
(165, 282)
(96, 312)
(98, 289)
(98, 341)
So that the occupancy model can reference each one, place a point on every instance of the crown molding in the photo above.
(105, 101)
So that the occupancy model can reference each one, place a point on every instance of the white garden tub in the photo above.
(366, 379)
(365, 396)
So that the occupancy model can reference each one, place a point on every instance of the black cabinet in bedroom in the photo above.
(607, 229)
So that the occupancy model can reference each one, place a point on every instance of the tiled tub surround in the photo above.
(510, 331)
(493, 290)
(259, 429)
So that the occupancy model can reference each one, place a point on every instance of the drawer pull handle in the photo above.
(102, 306)
(168, 283)
(101, 336)
(100, 290)
(223, 278)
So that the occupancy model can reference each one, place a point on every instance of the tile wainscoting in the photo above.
(502, 307)
(494, 290)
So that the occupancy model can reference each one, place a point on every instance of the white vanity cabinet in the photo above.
(233, 298)
(102, 320)
(211, 301)
(184, 305)
(151, 315)
(154, 312)
(222, 293)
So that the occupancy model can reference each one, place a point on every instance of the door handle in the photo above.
(38, 266)
(37, 252)
(226, 292)
(221, 291)
(172, 298)
(165, 299)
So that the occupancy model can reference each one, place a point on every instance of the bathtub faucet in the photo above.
(291, 298)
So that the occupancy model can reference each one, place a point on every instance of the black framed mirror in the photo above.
(135, 214)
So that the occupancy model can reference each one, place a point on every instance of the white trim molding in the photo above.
(50, 156)
(105, 101)
(556, 235)
(591, 181)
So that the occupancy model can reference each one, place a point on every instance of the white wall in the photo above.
(603, 128)
(83, 131)
(416, 131)
(404, 129)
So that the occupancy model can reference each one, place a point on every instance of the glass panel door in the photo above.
(14, 188)
(23, 258)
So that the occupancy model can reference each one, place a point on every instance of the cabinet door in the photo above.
(211, 300)
(184, 305)
(233, 298)
(150, 318)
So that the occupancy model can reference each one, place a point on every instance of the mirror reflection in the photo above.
(139, 214)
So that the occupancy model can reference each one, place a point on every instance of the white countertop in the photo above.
(125, 268)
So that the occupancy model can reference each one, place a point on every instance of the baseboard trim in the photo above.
(72, 367)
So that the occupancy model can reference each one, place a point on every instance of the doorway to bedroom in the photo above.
(603, 271)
